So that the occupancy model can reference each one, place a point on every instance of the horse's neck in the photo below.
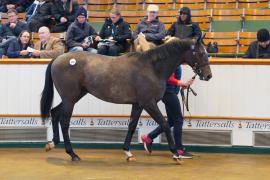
(166, 66)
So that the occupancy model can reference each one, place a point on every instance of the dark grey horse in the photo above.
(134, 78)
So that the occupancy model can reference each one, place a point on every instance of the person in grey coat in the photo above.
(150, 31)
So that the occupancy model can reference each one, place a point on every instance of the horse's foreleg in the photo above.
(153, 110)
(134, 117)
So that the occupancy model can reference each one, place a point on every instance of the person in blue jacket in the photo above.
(20, 47)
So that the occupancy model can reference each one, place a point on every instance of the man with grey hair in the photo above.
(48, 46)
(150, 31)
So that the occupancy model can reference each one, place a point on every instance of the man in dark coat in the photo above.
(10, 30)
(261, 47)
(64, 12)
(79, 32)
(116, 31)
(42, 17)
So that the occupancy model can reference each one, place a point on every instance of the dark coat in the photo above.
(77, 32)
(14, 49)
(59, 11)
(5, 29)
(44, 12)
(256, 51)
(183, 31)
(154, 32)
(120, 31)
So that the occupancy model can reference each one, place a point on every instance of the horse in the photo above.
(136, 78)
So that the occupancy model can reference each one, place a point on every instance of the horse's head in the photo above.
(197, 58)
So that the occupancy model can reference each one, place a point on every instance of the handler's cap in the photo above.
(152, 7)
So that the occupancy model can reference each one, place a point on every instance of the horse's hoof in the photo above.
(75, 158)
(177, 159)
(131, 158)
(48, 147)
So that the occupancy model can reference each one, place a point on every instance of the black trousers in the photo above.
(112, 50)
(175, 118)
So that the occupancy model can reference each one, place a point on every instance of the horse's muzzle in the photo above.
(206, 78)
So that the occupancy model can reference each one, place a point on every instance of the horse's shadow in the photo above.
(99, 162)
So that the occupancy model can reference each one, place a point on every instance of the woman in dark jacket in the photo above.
(116, 31)
(19, 48)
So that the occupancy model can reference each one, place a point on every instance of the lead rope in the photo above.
(185, 102)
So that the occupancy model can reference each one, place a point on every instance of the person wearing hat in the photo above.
(150, 30)
(184, 28)
(79, 31)
(117, 31)
(259, 48)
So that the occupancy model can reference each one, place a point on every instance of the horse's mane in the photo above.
(165, 51)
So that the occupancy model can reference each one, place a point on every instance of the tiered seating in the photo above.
(253, 4)
(130, 5)
(254, 19)
(163, 4)
(221, 4)
(100, 5)
(227, 20)
(203, 17)
(227, 41)
(192, 4)
(245, 38)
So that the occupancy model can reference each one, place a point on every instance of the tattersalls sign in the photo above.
(242, 130)
(143, 123)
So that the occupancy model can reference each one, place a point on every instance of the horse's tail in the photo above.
(47, 94)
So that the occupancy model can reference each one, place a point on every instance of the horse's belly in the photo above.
(114, 94)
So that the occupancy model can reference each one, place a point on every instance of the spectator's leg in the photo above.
(35, 24)
(60, 27)
(103, 50)
(76, 48)
(114, 50)
(92, 50)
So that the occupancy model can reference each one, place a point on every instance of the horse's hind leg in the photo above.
(55, 113)
(65, 116)
(154, 112)
(134, 117)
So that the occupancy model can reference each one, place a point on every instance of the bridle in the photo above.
(196, 67)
